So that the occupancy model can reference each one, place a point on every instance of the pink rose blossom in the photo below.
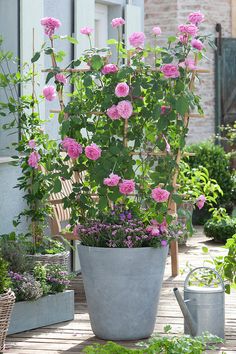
(86, 30)
(116, 22)
(93, 152)
(160, 195)
(112, 180)
(164, 243)
(155, 231)
(49, 92)
(125, 109)
(127, 186)
(197, 44)
(163, 226)
(112, 112)
(50, 24)
(184, 38)
(201, 201)
(122, 89)
(76, 230)
(33, 159)
(109, 69)
(61, 78)
(196, 17)
(32, 143)
(190, 29)
(73, 149)
(137, 39)
(164, 109)
(170, 70)
(156, 31)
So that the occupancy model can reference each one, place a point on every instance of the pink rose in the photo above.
(170, 70)
(196, 17)
(93, 152)
(197, 44)
(137, 39)
(50, 24)
(112, 112)
(86, 30)
(33, 159)
(109, 69)
(76, 230)
(190, 29)
(127, 186)
(61, 78)
(163, 226)
(156, 31)
(112, 180)
(116, 22)
(164, 109)
(32, 144)
(73, 149)
(125, 109)
(164, 243)
(49, 92)
(184, 38)
(122, 89)
(201, 201)
(160, 195)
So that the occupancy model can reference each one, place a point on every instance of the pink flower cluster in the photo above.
(109, 69)
(188, 64)
(137, 39)
(160, 195)
(86, 30)
(112, 181)
(73, 149)
(117, 22)
(122, 89)
(124, 109)
(127, 186)
(33, 159)
(93, 152)
(170, 71)
(49, 92)
(191, 29)
(156, 229)
(32, 144)
(201, 201)
(50, 24)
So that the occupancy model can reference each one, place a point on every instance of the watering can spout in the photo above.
(187, 316)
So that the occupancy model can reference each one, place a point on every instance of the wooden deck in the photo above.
(71, 337)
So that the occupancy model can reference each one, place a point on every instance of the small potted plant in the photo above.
(7, 300)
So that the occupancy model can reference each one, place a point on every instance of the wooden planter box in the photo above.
(45, 311)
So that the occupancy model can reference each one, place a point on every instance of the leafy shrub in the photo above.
(220, 226)
(214, 158)
(5, 281)
(160, 345)
(25, 286)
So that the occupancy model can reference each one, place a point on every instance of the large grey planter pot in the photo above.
(44, 311)
(122, 288)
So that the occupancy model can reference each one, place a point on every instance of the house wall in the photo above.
(168, 14)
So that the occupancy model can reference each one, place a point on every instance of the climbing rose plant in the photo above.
(125, 125)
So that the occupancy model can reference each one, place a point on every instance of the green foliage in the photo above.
(216, 161)
(195, 182)
(160, 345)
(220, 226)
(5, 281)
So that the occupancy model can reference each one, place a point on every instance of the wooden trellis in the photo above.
(171, 203)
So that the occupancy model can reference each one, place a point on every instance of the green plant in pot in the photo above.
(221, 226)
(7, 300)
(124, 130)
(197, 189)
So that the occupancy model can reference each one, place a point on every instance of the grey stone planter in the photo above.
(122, 289)
(45, 311)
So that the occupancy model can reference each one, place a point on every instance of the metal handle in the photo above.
(213, 271)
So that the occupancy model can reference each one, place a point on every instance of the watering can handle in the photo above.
(213, 271)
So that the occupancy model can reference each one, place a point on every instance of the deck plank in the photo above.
(71, 337)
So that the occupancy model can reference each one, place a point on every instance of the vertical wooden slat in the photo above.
(233, 17)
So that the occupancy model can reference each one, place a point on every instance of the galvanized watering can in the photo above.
(203, 307)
